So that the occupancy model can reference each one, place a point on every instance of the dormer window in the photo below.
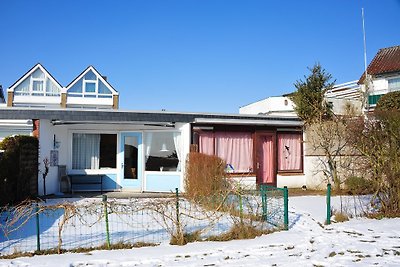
(38, 83)
(91, 86)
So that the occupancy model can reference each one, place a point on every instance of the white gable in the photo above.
(36, 87)
(91, 90)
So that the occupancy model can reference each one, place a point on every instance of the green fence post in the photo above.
(286, 207)
(106, 218)
(37, 227)
(263, 191)
(328, 204)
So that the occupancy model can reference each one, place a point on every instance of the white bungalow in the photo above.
(84, 135)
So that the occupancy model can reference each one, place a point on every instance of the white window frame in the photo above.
(36, 92)
(91, 171)
(180, 172)
(96, 85)
(397, 79)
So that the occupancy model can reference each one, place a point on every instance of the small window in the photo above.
(163, 151)
(235, 148)
(290, 152)
(90, 87)
(94, 151)
(37, 85)
(373, 99)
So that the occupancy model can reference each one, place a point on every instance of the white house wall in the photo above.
(46, 144)
(278, 105)
(380, 86)
(63, 136)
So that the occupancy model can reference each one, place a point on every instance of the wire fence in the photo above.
(92, 223)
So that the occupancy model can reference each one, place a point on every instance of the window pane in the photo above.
(76, 88)
(103, 88)
(38, 74)
(162, 151)
(236, 149)
(38, 86)
(130, 157)
(90, 76)
(85, 151)
(289, 151)
(22, 88)
(52, 88)
(108, 151)
(394, 84)
(90, 87)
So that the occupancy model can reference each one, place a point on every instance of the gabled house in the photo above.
(84, 134)
(339, 97)
(382, 76)
(90, 90)
(37, 87)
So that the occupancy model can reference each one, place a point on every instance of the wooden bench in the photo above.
(86, 179)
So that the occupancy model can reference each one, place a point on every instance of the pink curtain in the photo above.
(236, 148)
(206, 143)
(289, 151)
(267, 163)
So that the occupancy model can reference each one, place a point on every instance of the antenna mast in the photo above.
(365, 104)
(365, 43)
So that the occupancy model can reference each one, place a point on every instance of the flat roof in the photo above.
(119, 116)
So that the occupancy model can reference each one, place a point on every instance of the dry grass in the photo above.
(341, 217)
(119, 245)
(239, 231)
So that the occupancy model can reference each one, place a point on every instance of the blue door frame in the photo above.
(131, 179)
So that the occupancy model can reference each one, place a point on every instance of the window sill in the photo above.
(296, 173)
(240, 174)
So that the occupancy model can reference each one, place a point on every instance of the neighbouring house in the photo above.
(273, 105)
(340, 97)
(343, 98)
(382, 76)
(86, 136)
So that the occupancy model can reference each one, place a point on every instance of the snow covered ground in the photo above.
(358, 242)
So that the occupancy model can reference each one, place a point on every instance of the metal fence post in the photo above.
(264, 202)
(37, 227)
(106, 218)
(286, 207)
(328, 204)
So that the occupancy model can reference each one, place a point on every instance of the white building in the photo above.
(84, 135)
(383, 76)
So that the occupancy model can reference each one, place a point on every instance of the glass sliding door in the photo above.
(131, 160)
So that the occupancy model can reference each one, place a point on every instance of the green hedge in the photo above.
(18, 169)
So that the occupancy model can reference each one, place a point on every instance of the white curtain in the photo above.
(147, 142)
(178, 148)
(85, 151)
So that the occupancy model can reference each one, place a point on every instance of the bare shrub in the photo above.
(205, 175)
(357, 185)
(377, 139)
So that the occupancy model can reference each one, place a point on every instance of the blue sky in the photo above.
(193, 55)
